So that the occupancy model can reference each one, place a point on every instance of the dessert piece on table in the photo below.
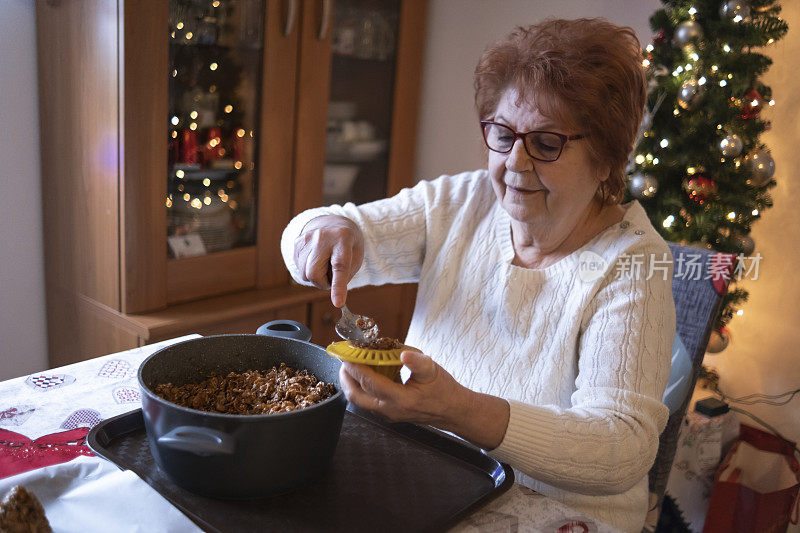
(21, 512)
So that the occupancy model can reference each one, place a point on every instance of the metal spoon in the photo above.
(356, 328)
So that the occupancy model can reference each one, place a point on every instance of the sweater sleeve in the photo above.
(394, 236)
(607, 440)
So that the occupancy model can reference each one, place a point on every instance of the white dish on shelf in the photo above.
(337, 180)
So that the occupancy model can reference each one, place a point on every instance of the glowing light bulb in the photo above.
(646, 63)
(726, 48)
(702, 80)
(740, 312)
(186, 196)
(694, 56)
(714, 68)
(228, 108)
(207, 200)
(193, 126)
(723, 83)
(650, 48)
(755, 212)
(237, 165)
(189, 36)
(772, 102)
(179, 174)
(213, 66)
(206, 182)
(196, 203)
(668, 221)
(675, 111)
(240, 132)
(215, 3)
(692, 10)
(174, 72)
(174, 134)
(193, 114)
(175, 121)
(655, 161)
(664, 143)
(179, 25)
(639, 159)
(731, 216)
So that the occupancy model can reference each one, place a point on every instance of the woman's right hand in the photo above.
(334, 243)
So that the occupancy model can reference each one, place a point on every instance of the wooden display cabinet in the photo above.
(109, 139)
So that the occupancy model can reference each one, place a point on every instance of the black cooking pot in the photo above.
(241, 456)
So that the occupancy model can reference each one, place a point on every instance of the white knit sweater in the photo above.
(582, 360)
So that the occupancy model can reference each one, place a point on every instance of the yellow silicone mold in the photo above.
(386, 362)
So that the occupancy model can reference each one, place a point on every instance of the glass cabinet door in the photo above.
(215, 64)
(359, 121)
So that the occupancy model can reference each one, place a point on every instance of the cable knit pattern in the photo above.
(583, 364)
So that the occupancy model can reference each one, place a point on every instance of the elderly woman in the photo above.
(544, 304)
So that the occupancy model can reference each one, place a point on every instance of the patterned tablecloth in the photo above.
(45, 417)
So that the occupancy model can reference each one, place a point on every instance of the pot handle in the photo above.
(198, 440)
(287, 329)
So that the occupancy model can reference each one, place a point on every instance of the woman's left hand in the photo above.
(430, 396)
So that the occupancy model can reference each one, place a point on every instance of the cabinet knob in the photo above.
(291, 16)
(325, 20)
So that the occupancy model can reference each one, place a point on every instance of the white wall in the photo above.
(764, 354)
(23, 335)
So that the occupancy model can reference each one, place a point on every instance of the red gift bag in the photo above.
(756, 486)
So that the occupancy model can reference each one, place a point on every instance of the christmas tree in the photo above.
(699, 169)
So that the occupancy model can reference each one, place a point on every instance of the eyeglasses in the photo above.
(540, 145)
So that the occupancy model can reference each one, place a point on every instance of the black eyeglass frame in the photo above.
(563, 138)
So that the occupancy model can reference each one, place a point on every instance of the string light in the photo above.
(655, 161)
(240, 132)
(215, 3)
(179, 174)
(207, 200)
(169, 202)
(179, 25)
(694, 56)
(675, 111)
(175, 121)
(714, 68)
(646, 63)
(668, 221)
(726, 48)
(772, 102)
(723, 83)
(193, 126)
(730, 76)
(174, 72)
(206, 182)
(740, 312)
(174, 134)
(639, 159)
(692, 11)
(702, 80)
(688, 66)
(228, 108)
(237, 165)
(196, 203)
(731, 216)
(650, 47)
(755, 212)
(213, 66)
(193, 114)
(189, 35)
(664, 143)
(649, 157)
(186, 196)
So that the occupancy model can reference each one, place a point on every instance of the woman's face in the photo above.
(551, 199)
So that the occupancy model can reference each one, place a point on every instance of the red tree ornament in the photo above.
(752, 104)
(660, 38)
(700, 188)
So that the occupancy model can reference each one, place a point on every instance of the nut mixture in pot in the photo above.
(277, 390)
